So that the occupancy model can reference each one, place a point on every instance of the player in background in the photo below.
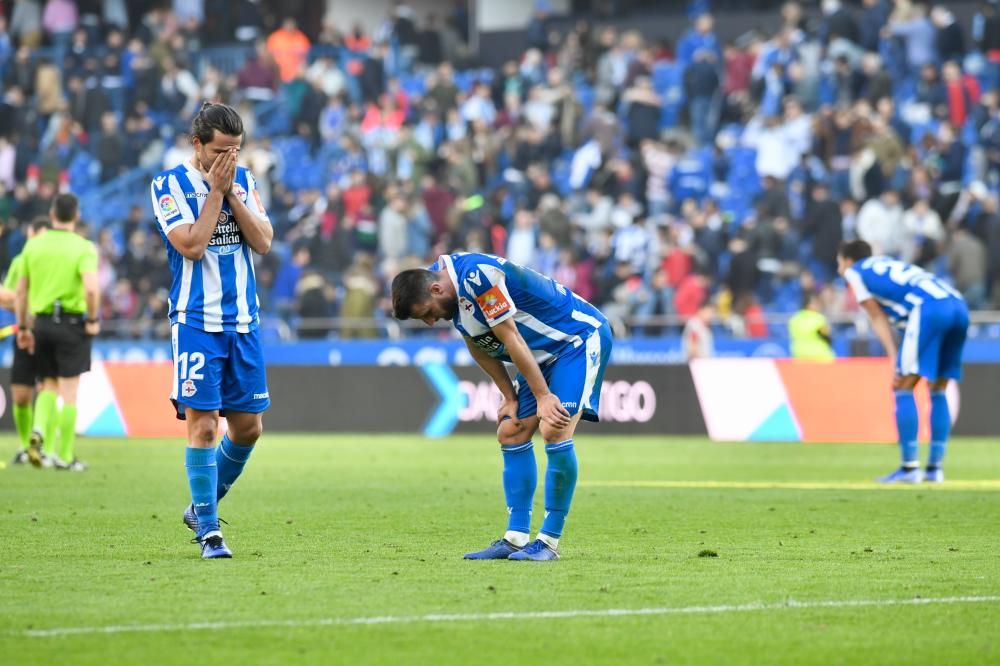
(57, 303)
(211, 220)
(935, 320)
(23, 373)
(560, 345)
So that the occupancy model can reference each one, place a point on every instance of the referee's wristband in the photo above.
(91, 321)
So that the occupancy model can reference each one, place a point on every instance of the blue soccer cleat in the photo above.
(498, 550)
(902, 475)
(191, 519)
(935, 475)
(213, 547)
(536, 551)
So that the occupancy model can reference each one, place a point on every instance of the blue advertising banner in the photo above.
(628, 351)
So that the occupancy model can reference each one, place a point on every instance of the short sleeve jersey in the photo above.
(898, 287)
(491, 290)
(219, 291)
(54, 264)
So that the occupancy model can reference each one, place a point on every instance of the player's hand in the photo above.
(92, 328)
(551, 410)
(26, 341)
(507, 410)
(220, 176)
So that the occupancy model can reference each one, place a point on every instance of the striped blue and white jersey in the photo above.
(219, 291)
(898, 287)
(550, 317)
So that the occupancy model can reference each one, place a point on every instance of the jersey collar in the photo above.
(445, 260)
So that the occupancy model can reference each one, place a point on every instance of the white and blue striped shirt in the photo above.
(218, 292)
(898, 287)
(550, 317)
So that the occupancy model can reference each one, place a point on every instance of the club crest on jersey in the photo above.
(188, 388)
(465, 304)
(493, 303)
(240, 192)
(168, 206)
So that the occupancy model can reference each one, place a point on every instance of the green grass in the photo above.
(361, 526)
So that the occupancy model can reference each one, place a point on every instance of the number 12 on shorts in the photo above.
(189, 367)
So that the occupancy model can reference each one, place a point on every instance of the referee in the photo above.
(22, 372)
(59, 283)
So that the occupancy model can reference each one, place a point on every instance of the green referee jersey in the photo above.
(14, 273)
(54, 263)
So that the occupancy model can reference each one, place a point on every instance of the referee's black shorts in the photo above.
(62, 349)
(23, 369)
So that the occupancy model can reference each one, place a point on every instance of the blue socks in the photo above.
(203, 479)
(520, 478)
(940, 428)
(560, 482)
(906, 424)
(230, 459)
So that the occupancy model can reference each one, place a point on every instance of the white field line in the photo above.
(433, 618)
(982, 484)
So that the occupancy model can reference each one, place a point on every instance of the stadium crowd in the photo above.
(648, 173)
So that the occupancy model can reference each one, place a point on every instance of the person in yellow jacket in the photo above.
(809, 331)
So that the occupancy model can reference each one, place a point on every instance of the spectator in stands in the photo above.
(873, 19)
(949, 39)
(258, 78)
(880, 224)
(700, 36)
(697, 340)
(26, 23)
(838, 23)
(824, 224)
(289, 47)
(910, 22)
(701, 86)
(643, 114)
(111, 149)
(924, 234)
(968, 262)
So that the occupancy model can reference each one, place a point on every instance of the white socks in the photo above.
(519, 539)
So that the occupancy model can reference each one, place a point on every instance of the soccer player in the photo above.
(935, 320)
(23, 374)
(59, 283)
(559, 344)
(211, 220)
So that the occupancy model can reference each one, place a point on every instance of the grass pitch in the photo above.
(348, 550)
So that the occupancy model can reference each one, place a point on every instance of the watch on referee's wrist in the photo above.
(91, 320)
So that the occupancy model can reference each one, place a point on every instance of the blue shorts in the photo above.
(218, 371)
(575, 377)
(933, 340)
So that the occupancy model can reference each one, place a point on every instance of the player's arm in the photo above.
(191, 239)
(252, 219)
(92, 291)
(498, 373)
(550, 408)
(881, 326)
(25, 338)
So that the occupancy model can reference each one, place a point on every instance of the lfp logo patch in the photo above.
(168, 206)
(494, 303)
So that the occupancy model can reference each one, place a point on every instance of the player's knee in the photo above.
(554, 434)
(21, 395)
(204, 430)
(248, 434)
(511, 432)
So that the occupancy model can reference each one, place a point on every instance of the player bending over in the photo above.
(211, 220)
(935, 320)
(559, 344)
